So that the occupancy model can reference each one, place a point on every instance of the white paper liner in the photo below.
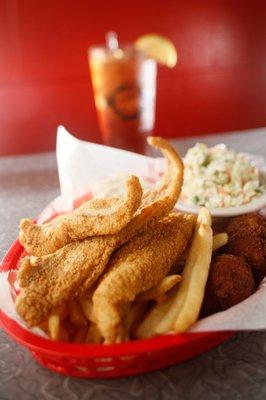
(83, 167)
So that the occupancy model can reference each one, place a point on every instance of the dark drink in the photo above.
(124, 84)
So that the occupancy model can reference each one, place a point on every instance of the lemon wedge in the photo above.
(158, 48)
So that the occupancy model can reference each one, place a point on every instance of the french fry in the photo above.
(93, 334)
(69, 328)
(135, 314)
(219, 240)
(54, 326)
(87, 308)
(186, 299)
(63, 334)
(80, 335)
(76, 315)
(147, 327)
(177, 307)
(162, 298)
(204, 217)
(192, 300)
(62, 312)
(164, 286)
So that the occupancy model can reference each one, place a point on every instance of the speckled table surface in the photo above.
(234, 370)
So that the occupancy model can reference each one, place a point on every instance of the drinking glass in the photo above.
(124, 85)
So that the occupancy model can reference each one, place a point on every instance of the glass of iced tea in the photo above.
(124, 85)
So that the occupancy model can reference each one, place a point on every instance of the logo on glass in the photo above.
(125, 101)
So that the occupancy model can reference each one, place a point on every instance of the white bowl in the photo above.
(256, 204)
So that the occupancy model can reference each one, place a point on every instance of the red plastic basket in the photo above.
(106, 361)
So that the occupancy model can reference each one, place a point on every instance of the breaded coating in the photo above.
(247, 224)
(230, 281)
(49, 281)
(159, 202)
(247, 237)
(250, 247)
(95, 217)
(136, 267)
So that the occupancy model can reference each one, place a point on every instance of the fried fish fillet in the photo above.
(135, 267)
(95, 217)
(49, 281)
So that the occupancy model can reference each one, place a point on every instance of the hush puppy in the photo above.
(230, 281)
(247, 238)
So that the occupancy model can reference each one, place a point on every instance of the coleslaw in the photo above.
(219, 177)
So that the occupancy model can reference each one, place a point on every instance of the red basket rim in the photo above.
(37, 343)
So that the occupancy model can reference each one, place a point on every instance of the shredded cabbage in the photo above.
(219, 177)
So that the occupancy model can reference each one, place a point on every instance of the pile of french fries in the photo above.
(171, 306)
